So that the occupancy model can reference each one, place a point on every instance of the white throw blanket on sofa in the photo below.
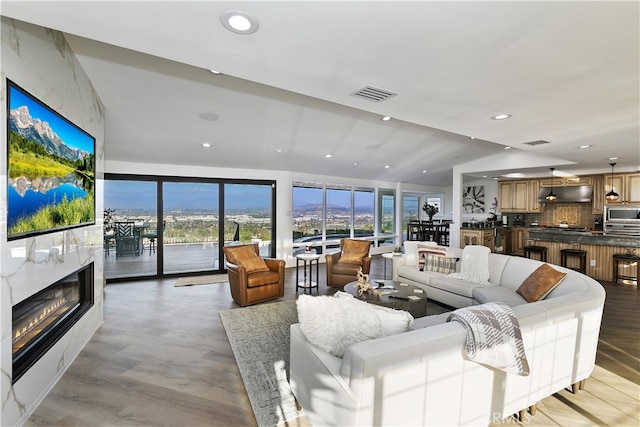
(493, 337)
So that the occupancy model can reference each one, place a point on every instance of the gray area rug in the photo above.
(202, 280)
(259, 337)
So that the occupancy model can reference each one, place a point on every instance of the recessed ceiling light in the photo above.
(355, 163)
(484, 176)
(239, 22)
(386, 118)
(472, 137)
(214, 71)
(613, 158)
(424, 171)
(210, 117)
(387, 166)
(584, 146)
(501, 116)
(206, 145)
(279, 151)
(328, 156)
(507, 148)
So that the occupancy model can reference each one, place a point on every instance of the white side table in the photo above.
(388, 256)
(307, 281)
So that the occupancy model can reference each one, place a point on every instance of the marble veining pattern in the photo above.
(40, 61)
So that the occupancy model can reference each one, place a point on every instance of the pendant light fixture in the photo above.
(612, 196)
(551, 197)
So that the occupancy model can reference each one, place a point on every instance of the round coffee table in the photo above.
(398, 295)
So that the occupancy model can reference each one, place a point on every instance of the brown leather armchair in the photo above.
(342, 267)
(253, 279)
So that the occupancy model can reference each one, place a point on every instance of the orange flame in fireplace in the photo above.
(37, 320)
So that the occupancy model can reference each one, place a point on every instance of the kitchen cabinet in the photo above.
(514, 196)
(519, 237)
(483, 237)
(567, 181)
(598, 195)
(502, 241)
(489, 240)
(626, 185)
(534, 189)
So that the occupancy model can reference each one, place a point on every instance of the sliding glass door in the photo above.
(249, 216)
(130, 216)
(190, 221)
(178, 223)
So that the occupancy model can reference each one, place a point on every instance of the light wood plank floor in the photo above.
(162, 358)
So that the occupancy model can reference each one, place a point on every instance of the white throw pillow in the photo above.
(393, 321)
(333, 324)
(411, 250)
(475, 260)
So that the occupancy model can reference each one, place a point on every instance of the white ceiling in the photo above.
(568, 72)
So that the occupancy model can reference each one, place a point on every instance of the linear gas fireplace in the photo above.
(42, 319)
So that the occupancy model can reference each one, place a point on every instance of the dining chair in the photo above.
(126, 238)
(413, 230)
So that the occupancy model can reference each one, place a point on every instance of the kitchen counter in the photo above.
(583, 237)
(599, 247)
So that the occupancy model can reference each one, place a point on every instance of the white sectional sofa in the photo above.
(420, 377)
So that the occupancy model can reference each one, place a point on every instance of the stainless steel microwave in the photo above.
(629, 214)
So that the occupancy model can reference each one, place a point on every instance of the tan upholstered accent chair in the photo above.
(253, 279)
(342, 267)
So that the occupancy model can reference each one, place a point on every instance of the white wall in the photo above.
(42, 63)
(490, 192)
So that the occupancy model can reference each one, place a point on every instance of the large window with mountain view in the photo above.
(179, 225)
(322, 214)
(363, 212)
(410, 210)
(387, 211)
(307, 213)
(338, 212)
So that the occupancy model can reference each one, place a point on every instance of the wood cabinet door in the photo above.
(632, 188)
(505, 189)
(470, 237)
(521, 196)
(534, 189)
(488, 240)
(578, 180)
(519, 238)
(548, 182)
(598, 195)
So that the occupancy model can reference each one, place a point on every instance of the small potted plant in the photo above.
(109, 219)
(430, 210)
(397, 251)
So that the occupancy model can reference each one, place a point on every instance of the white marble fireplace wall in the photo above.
(41, 62)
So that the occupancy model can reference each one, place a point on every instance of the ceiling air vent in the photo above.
(538, 142)
(373, 94)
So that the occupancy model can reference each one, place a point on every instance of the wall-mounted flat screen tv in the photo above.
(51, 169)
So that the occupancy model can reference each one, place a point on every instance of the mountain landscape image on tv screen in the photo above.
(51, 169)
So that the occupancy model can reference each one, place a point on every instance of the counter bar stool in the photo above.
(574, 253)
(532, 249)
(627, 260)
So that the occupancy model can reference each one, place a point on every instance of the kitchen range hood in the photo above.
(578, 193)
